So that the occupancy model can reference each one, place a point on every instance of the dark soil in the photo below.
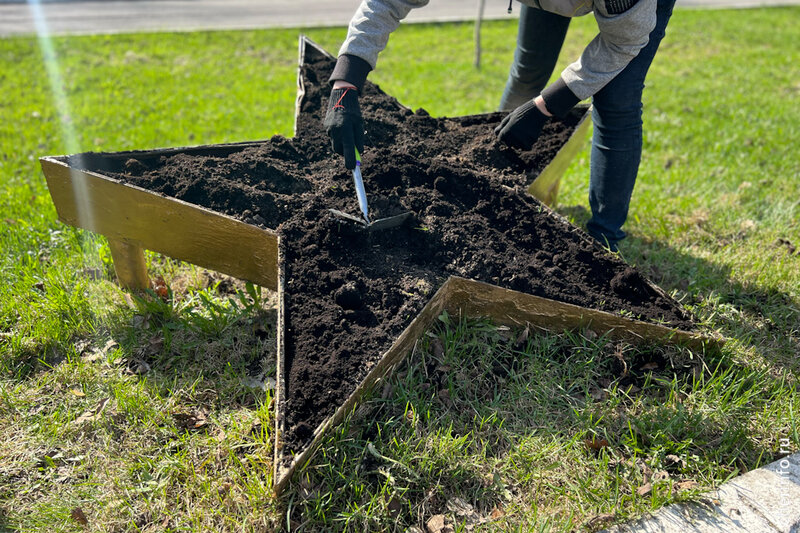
(350, 293)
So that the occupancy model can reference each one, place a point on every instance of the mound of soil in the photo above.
(350, 293)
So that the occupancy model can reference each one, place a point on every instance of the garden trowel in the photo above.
(361, 194)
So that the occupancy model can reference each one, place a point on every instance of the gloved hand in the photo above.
(344, 124)
(522, 127)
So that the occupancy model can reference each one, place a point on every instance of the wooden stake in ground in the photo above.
(478, 21)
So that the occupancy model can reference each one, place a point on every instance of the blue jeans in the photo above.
(617, 112)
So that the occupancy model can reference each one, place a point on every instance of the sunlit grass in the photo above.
(139, 410)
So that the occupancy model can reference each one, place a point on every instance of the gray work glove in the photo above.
(521, 127)
(345, 125)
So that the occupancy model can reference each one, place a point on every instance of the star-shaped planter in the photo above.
(352, 302)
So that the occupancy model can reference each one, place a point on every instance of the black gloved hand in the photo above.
(344, 124)
(522, 127)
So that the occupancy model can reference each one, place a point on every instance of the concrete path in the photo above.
(766, 500)
(121, 16)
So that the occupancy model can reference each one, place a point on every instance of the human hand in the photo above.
(344, 123)
(521, 127)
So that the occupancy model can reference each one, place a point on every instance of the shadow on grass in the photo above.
(483, 425)
(220, 339)
(765, 320)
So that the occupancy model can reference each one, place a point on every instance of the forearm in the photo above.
(621, 38)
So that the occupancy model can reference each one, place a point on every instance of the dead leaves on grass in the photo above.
(595, 443)
(192, 421)
(462, 514)
(79, 516)
(92, 415)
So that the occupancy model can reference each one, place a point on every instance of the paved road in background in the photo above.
(122, 16)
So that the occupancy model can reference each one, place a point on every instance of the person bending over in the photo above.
(611, 71)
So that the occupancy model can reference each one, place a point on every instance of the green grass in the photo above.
(137, 409)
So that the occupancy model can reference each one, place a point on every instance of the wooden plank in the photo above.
(178, 229)
(504, 306)
(545, 186)
(387, 363)
(129, 265)
(279, 478)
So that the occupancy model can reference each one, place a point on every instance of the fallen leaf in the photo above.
(395, 507)
(599, 520)
(444, 397)
(101, 353)
(747, 225)
(93, 414)
(190, 421)
(522, 338)
(224, 489)
(141, 321)
(435, 524)
(644, 468)
(595, 444)
(78, 393)
(497, 513)
(81, 345)
(155, 345)
(79, 516)
(459, 507)
(652, 365)
(437, 347)
(598, 394)
(674, 460)
(645, 489)
(138, 367)
(661, 475)
(504, 332)
(686, 484)
(161, 288)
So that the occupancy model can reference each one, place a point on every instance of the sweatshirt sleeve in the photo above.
(367, 36)
(624, 31)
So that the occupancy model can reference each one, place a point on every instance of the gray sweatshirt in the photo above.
(624, 29)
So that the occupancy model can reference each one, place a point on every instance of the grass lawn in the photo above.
(138, 412)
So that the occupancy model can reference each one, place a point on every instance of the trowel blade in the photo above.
(347, 217)
(380, 224)
(388, 222)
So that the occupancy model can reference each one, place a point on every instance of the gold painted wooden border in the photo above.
(181, 230)
(546, 185)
